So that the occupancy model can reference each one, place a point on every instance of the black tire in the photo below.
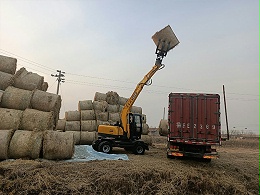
(105, 147)
(139, 149)
(95, 147)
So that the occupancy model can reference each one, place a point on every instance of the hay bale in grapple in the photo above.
(72, 126)
(163, 127)
(35, 119)
(85, 105)
(6, 80)
(72, 115)
(61, 124)
(10, 118)
(87, 115)
(145, 128)
(100, 105)
(103, 116)
(26, 144)
(47, 102)
(100, 96)
(87, 138)
(90, 125)
(112, 98)
(7, 64)
(58, 145)
(5, 138)
(27, 80)
(15, 98)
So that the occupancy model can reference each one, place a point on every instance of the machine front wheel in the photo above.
(139, 149)
(105, 147)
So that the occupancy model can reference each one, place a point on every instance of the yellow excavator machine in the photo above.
(127, 132)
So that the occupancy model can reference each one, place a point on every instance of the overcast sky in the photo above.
(108, 43)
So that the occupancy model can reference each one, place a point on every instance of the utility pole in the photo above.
(225, 104)
(59, 76)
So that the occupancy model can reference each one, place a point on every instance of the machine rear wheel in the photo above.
(105, 147)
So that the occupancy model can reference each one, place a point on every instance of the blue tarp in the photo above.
(86, 153)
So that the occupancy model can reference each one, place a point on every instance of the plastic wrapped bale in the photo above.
(72, 126)
(122, 101)
(45, 86)
(113, 108)
(76, 135)
(145, 128)
(103, 116)
(100, 105)
(6, 80)
(26, 144)
(100, 96)
(27, 80)
(47, 102)
(58, 145)
(87, 115)
(8, 64)
(112, 98)
(15, 98)
(90, 125)
(163, 127)
(5, 138)
(72, 115)
(147, 139)
(61, 124)
(87, 138)
(85, 105)
(114, 117)
(135, 109)
(35, 119)
(10, 118)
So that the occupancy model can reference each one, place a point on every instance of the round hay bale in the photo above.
(103, 116)
(5, 138)
(143, 118)
(35, 119)
(45, 86)
(47, 102)
(122, 101)
(147, 139)
(58, 145)
(26, 144)
(85, 105)
(135, 109)
(99, 122)
(100, 105)
(114, 116)
(120, 108)
(113, 108)
(7, 64)
(163, 127)
(1, 95)
(15, 98)
(112, 98)
(10, 119)
(72, 115)
(87, 138)
(76, 135)
(90, 125)
(61, 124)
(100, 96)
(6, 80)
(27, 80)
(88, 115)
(72, 126)
(145, 128)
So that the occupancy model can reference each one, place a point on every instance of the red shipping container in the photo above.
(194, 118)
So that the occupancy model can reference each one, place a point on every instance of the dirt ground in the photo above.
(235, 172)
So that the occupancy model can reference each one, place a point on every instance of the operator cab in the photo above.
(135, 124)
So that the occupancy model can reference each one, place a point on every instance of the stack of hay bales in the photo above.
(105, 109)
(27, 114)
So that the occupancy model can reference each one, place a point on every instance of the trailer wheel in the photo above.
(105, 147)
(139, 149)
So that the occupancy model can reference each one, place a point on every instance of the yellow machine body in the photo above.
(110, 130)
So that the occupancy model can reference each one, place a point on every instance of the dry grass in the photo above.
(152, 173)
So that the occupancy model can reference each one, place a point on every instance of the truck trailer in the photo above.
(194, 125)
